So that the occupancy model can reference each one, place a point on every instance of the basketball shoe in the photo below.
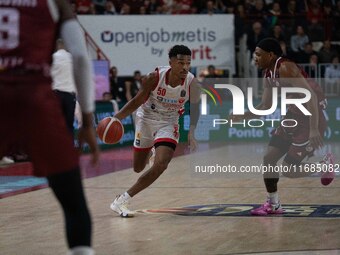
(119, 206)
(328, 176)
(6, 161)
(267, 208)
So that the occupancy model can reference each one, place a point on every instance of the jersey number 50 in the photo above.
(161, 92)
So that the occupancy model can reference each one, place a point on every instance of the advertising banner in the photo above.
(136, 42)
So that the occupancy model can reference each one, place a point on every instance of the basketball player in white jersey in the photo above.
(160, 103)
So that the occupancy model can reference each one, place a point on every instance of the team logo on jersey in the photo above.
(153, 106)
(160, 98)
(137, 142)
(183, 93)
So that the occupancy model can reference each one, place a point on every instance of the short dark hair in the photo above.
(179, 50)
(270, 45)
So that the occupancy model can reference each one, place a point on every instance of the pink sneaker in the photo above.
(267, 208)
(328, 177)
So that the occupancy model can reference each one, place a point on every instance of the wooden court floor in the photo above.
(31, 223)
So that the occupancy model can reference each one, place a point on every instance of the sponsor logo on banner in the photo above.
(149, 38)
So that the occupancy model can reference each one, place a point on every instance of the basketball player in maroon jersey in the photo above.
(30, 112)
(295, 143)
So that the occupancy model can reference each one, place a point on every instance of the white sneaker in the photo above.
(119, 206)
(6, 161)
(152, 157)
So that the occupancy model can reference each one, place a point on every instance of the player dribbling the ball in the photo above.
(160, 103)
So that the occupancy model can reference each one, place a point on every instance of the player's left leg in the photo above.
(50, 146)
(271, 179)
(68, 189)
(166, 139)
(301, 149)
(297, 168)
(163, 157)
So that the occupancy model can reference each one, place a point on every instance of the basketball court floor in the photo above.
(183, 212)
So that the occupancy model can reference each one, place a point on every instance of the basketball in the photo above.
(110, 130)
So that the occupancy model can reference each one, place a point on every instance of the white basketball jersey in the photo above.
(166, 103)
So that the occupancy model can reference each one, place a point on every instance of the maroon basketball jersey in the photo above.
(24, 25)
(273, 79)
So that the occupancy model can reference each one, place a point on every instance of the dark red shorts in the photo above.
(295, 140)
(32, 120)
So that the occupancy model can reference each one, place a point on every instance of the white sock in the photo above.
(81, 250)
(273, 197)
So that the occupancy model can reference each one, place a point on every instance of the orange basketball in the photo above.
(110, 130)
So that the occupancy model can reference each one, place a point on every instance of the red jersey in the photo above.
(273, 80)
(26, 24)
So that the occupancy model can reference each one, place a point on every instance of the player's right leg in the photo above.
(50, 146)
(141, 157)
(277, 149)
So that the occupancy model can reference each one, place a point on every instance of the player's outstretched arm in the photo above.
(148, 84)
(74, 40)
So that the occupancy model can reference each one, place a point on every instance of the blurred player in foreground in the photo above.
(295, 143)
(160, 102)
(30, 112)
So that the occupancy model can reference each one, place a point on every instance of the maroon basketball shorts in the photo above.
(294, 141)
(32, 120)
